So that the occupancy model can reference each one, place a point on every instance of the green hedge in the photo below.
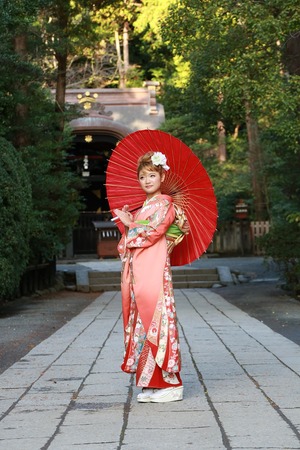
(15, 214)
(282, 243)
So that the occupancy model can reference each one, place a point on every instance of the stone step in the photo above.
(186, 285)
(104, 277)
(95, 274)
(105, 287)
(100, 281)
(196, 277)
(175, 272)
(176, 279)
(177, 275)
(182, 279)
(194, 284)
(202, 270)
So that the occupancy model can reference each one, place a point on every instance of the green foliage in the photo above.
(283, 244)
(147, 48)
(135, 77)
(17, 15)
(54, 187)
(83, 35)
(282, 161)
(282, 171)
(184, 127)
(231, 179)
(15, 218)
(235, 52)
(16, 72)
(151, 62)
(55, 201)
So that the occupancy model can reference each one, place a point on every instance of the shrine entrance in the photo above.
(88, 157)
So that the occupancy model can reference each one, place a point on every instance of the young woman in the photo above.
(149, 315)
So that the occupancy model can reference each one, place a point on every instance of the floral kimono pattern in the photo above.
(150, 324)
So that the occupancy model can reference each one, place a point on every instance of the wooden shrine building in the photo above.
(108, 115)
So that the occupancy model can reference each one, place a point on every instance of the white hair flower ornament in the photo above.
(159, 159)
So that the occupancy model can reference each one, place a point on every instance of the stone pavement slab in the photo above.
(241, 381)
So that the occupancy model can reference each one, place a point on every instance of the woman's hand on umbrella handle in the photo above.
(126, 209)
(125, 216)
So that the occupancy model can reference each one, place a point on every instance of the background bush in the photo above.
(15, 216)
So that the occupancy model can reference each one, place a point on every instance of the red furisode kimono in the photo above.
(149, 315)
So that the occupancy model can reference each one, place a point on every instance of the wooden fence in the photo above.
(231, 238)
(238, 238)
(258, 229)
(85, 235)
(38, 277)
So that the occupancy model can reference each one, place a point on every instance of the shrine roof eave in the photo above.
(99, 125)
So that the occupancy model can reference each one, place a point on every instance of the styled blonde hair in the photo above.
(145, 162)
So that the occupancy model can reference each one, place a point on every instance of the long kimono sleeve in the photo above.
(142, 236)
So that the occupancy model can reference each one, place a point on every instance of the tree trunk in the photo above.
(61, 55)
(236, 132)
(256, 165)
(222, 155)
(21, 138)
(291, 53)
(60, 96)
(126, 47)
(120, 64)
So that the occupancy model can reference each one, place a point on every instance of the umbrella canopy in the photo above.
(187, 182)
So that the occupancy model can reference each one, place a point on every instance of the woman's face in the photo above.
(150, 181)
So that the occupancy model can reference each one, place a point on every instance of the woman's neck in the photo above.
(150, 196)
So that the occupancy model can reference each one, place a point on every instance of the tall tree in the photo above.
(118, 17)
(60, 21)
(67, 26)
(235, 54)
(16, 70)
(29, 121)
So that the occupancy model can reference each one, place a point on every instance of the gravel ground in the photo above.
(27, 321)
(268, 303)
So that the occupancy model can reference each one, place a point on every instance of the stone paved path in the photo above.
(242, 385)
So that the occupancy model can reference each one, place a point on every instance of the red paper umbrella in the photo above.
(186, 182)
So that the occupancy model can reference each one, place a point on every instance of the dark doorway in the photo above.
(89, 158)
